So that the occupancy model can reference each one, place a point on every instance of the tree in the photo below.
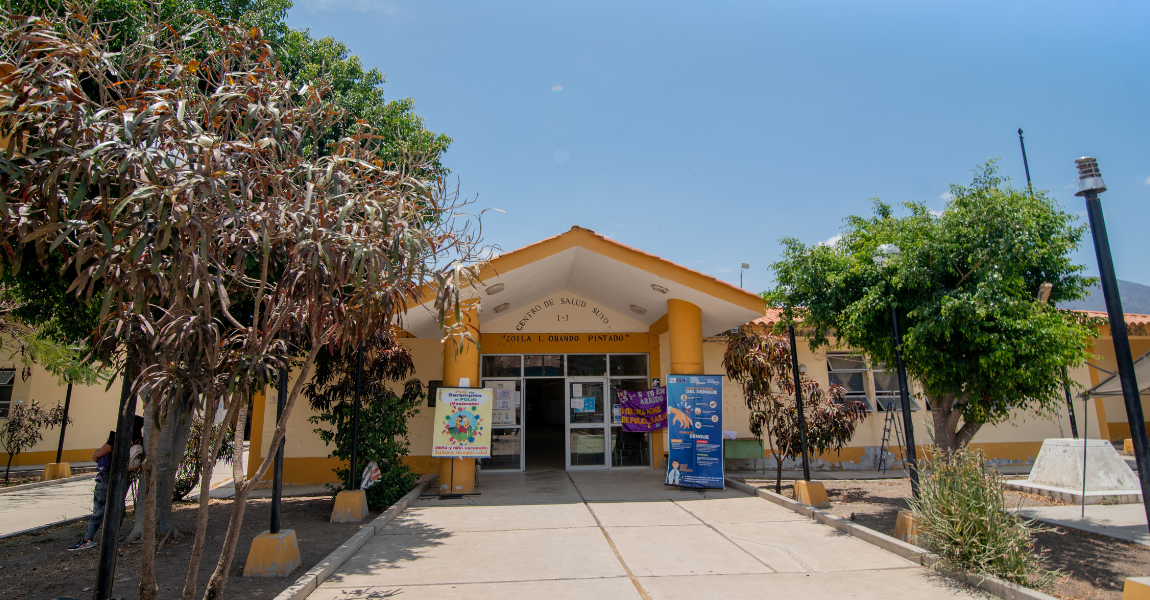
(383, 418)
(24, 428)
(761, 364)
(976, 335)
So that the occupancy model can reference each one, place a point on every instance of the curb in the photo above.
(986, 583)
(46, 526)
(28, 486)
(305, 585)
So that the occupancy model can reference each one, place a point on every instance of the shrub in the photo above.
(963, 518)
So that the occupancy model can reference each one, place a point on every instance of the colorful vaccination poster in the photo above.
(695, 412)
(644, 410)
(463, 423)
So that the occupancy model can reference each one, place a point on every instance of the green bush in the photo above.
(188, 473)
(963, 518)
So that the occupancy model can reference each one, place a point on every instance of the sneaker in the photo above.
(83, 545)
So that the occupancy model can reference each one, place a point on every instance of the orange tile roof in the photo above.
(773, 314)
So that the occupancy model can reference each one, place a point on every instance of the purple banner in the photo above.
(644, 410)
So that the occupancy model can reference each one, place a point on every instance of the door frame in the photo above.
(604, 426)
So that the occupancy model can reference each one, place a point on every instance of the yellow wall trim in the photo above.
(48, 456)
(563, 343)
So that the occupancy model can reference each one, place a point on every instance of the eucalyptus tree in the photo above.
(978, 336)
(175, 180)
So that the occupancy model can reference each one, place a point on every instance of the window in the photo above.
(432, 390)
(538, 365)
(886, 392)
(849, 371)
(586, 365)
(628, 365)
(501, 366)
(7, 376)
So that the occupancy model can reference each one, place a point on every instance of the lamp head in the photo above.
(886, 252)
(1089, 177)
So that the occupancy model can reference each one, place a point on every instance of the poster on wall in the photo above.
(695, 429)
(644, 410)
(463, 423)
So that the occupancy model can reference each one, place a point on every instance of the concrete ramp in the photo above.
(1058, 472)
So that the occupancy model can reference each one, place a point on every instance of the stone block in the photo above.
(350, 507)
(273, 555)
(811, 493)
(56, 471)
(1136, 588)
(1128, 446)
(907, 528)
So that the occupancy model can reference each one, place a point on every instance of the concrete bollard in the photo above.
(906, 528)
(1128, 446)
(350, 506)
(56, 471)
(811, 493)
(1136, 588)
(273, 555)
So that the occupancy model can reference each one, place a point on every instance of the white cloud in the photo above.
(831, 241)
(387, 7)
(946, 196)
(937, 213)
(1148, 181)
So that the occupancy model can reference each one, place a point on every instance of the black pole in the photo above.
(1069, 402)
(904, 391)
(799, 403)
(117, 489)
(1025, 165)
(278, 465)
(1121, 341)
(64, 423)
(354, 483)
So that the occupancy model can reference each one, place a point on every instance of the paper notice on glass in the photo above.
(502, 394)
(502, 403)
(577, 402)
(515, 398)
(576, 389)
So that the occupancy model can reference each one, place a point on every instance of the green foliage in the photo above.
(188, 473)
(965, 285)
(761, 364)
(383, 415)
(963, 518)
(23, 428)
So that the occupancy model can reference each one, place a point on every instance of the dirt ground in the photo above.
(22, 477)
(1097, 566)
(38, 566)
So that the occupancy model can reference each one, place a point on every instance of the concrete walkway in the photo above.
(1122, 521)
(619, 534)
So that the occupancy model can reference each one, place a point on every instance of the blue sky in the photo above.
(706, 131)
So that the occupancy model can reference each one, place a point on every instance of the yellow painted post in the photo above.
(56, 471)
(906, 528)
(350, 507)
(460, 361)
(273, 555)
(1136, 588)
(685, 326)
(811, 493)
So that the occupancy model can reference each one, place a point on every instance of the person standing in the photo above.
(103, 458)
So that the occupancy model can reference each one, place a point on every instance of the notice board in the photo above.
(695, 429)
(463, 423)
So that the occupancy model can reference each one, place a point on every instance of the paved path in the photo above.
(1122, 521)
(620, 534)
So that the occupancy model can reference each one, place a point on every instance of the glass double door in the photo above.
(588, 421)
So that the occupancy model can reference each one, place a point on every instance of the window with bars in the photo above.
(7, 376)
(850, 371)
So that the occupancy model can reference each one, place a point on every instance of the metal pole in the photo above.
(64, 423)
(117, 489)
(278, 465)
(904, 390)
(1069, 403)
(799, 403)
(1121, 342)
(354, 483)
(1025, 164)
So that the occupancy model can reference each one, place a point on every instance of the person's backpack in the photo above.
(136, 457)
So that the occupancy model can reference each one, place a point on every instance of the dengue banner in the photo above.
(463, 423)
(695, 412)
(644, 410)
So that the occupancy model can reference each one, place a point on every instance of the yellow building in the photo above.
(581, 315)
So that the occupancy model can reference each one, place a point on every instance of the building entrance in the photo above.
(561, 411)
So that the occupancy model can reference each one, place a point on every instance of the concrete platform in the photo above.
(1063, 462)
(618, 534)
(1122, 521)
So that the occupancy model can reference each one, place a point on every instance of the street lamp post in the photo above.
(885, 253)
(799, 402)
(1090, 185)
(742, 268)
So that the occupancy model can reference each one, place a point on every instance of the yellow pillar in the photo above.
(460, 361)
(685, 326)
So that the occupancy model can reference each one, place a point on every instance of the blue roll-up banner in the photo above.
(695, 427)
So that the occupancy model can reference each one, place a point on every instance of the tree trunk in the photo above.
(8, 470)
(949, 435)
(172, 448)
(219, 579)
(208, 455)
(148, 587)
(778, 474)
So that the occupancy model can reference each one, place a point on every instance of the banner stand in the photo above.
(694, 430)
(462, 435)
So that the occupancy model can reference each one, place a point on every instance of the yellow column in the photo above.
(460, 361)
(685, 326)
